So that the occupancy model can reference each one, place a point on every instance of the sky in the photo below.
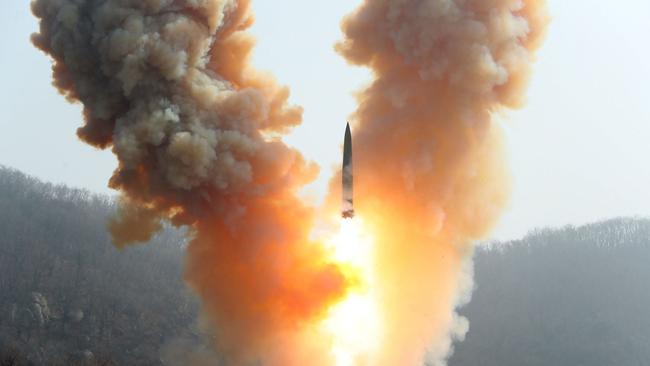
(579, 151)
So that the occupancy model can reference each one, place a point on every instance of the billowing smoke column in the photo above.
(166, 84)
(429, 165)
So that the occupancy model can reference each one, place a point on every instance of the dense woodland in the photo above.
(66, 294)
(568, 297)
(573, 296)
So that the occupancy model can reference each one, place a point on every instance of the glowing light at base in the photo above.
(354, 322)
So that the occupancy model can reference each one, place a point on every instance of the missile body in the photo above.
(347, 208)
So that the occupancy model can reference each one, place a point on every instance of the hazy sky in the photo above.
(579, 151)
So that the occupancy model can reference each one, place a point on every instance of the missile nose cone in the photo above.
(347, 209)
(347, 146)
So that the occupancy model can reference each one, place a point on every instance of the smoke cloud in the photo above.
(167, 85)
(429, 162)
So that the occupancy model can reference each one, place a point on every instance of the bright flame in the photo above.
(354, 322)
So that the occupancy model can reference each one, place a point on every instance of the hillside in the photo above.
(572, 296)
(67, 293)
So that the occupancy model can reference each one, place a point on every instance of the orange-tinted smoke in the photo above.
(167, 85)
(429, 162)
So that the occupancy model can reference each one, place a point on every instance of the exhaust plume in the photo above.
(167, 85)
(429, 161)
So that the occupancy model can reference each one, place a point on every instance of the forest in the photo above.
(67, 295)
(568, 296)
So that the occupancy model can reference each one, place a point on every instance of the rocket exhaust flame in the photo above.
(167, 85)
(354, 323)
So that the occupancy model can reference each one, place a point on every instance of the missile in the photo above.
(347, 207)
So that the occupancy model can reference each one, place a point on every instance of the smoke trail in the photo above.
(429, 161)
(166, 84)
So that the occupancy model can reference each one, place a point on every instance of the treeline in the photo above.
(574, 296)
(66, 294)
